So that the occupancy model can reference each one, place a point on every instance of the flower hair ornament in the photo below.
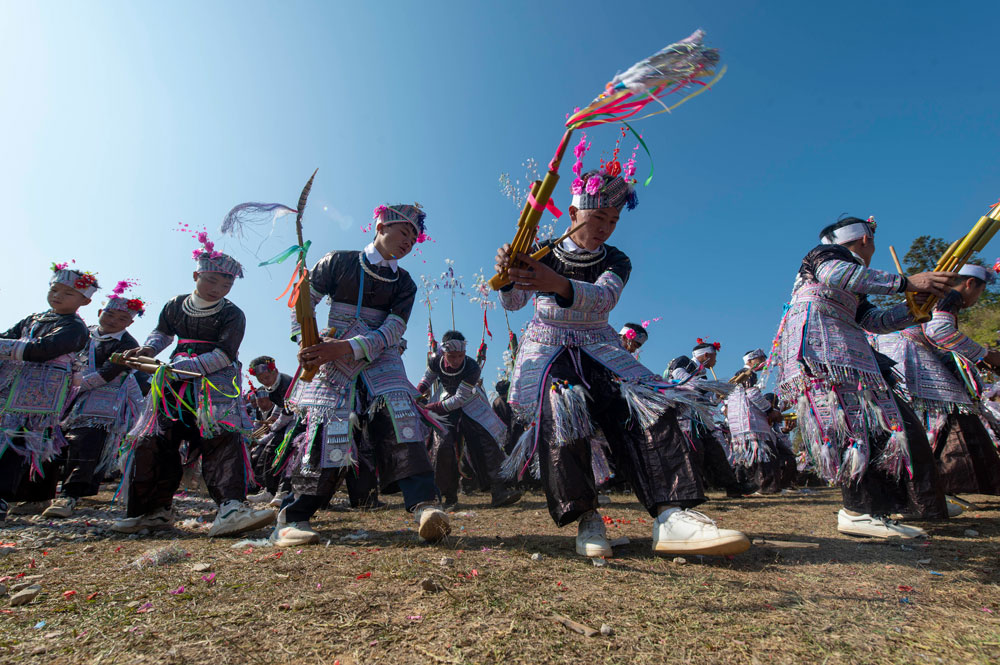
(610, 186)
(117, 300)
(208, 257)
(84, 282)
(269, 365)
(414, 214)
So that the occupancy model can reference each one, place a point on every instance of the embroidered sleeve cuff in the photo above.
(12, 348)
(214, 361)
(158, 341)
(91, 380)
(186, 364)
(567, 302)
(359, 352)
(513, 300)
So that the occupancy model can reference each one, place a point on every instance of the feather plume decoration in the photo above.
(674, 69)
(253, 214)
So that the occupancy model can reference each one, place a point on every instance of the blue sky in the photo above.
(122, 119)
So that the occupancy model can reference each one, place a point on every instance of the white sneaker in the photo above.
(262, 496)
(60, 507)
(293, 534)
(954, 509)
(591, 536)
(875, 526)
(679, 531)
(433, 522)
(237, 516)
(162, 518)
(278, 499)
(28, 507)
(959, 501)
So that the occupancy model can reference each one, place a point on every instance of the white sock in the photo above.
(665, 515)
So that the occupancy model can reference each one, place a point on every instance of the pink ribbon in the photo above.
(549, 205)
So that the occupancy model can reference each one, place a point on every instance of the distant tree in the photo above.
(924, 254)
(980, 322)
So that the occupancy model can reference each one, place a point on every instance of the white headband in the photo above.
(756, 353)
(698, 353)
(979, 272)
(848, 233)
(453, 345)
(638, 333)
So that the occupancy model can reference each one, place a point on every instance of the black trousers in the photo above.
(658, 462)
(966, 458)
(17, 482)
(86, 446)
(383, 462)
(482, 451)
(156, 466)
(879, 493)
(772, 476)
(268, 469)
(718, 472)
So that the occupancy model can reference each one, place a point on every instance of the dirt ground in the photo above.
(359, 596)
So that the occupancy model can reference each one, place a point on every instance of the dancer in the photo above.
(207, 411)
(856, 433)
(105, 405)
(36, 369)
(360, 396)
(756, 449)
(572, 373)
(468, 418)
(936, 373)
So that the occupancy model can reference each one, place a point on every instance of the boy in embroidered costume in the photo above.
(207, 411)
(269, 467)
(856, 433)
(468, 417)
(360, 395)
(936, 373)
(36, 369)
(633, 336)
(707, 434)
(573, 374)
(104, 404)
(757, 452)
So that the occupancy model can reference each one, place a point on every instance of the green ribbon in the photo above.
(645, 147)
(303, 250)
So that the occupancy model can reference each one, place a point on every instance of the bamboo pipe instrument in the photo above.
(150, 365)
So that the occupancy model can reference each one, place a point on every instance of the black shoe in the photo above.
(449, 503)
(3, 511)
(373, 506)
(505, 496)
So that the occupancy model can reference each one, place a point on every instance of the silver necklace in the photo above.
(455, 373)
(569, 258)
(372, 273)
(190, 309)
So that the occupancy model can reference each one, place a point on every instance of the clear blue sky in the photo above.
(122, 119)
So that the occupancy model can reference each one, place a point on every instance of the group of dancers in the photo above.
(893, 411)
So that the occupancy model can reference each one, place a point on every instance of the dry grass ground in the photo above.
(361, 601)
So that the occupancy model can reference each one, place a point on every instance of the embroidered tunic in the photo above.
(826, 365)
(370, 306)
(460, 391)
(36, 368)
(208, 341)
(753, 438)
(580, 323)
(107, 396)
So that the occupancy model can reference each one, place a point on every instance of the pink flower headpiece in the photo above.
(117, 300)
(413, 214)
